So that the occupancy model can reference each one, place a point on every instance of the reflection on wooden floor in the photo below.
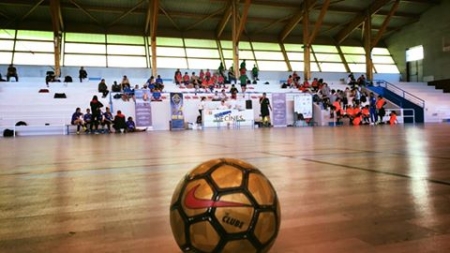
(343, 189)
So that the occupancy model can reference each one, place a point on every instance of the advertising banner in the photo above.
(143, 108)
(279, 110)
(303, 104)
(176, 111)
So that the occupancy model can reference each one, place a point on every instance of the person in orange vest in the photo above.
(380, 108)
(392, 118)
(365, 113)
(337, 109)
(357, 120)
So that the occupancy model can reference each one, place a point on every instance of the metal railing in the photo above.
(402, 93)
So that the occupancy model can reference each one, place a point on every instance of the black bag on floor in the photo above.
(8, 133)
(60, 95)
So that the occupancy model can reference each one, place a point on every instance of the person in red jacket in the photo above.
(119, 122)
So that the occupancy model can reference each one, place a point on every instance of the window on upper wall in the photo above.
(85, 37)
(125, 39)
(85, 60)
(5, 57)
(34, 58)
(172, 62)
(34, 35)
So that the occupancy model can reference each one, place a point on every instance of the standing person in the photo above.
(12, 72)
(201, 105)
(255, 73)
(96, 113)
(77, 119)
(265, 106)
(380, 108)
(373, 108)
(82, 74)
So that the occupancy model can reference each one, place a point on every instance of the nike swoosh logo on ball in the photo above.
(193, 202)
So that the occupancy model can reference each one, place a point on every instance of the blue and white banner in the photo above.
(143, 108)
(176, 111)
(279, 110)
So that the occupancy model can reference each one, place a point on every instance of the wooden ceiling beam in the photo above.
(386, 21)
(359, 19)
(225, 18)
(86, 12)
(244, 17)
(295, 20)
(319, 22)
(31, 10)
(125, 14)
(210, 16)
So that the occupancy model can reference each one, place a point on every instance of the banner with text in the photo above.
(143, 108)
(279, 110)
(176, 111)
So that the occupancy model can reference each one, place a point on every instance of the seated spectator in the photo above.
(159, 83)
(194, 81)
(151, 84)
(77, 120)
(12, 72)
(103, 88)
(208, 74)
(176, 76)
(291, 82)
(365, 113)
(392, 118)
(361, 81)
(131, 126)
(51, 78)
(233, 91)
(127, 93)
(179, 79)
(82, 74)
(351, 80)
(107, 119)
(220, 81)
(125, 82)
(156, 95)
(116, 87)
(119, 123)
(223, 105)
(295, 78)
(87, 117)
(201, 76)
(223, 95)
(186, 79)
(315, 84)
(216, 96)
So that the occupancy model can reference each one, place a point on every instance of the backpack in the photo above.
(363, 99)
(8, 133)
(68, 79)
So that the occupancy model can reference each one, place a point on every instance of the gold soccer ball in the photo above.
(225, 205)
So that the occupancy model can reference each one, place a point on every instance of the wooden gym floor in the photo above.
(342, 189)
